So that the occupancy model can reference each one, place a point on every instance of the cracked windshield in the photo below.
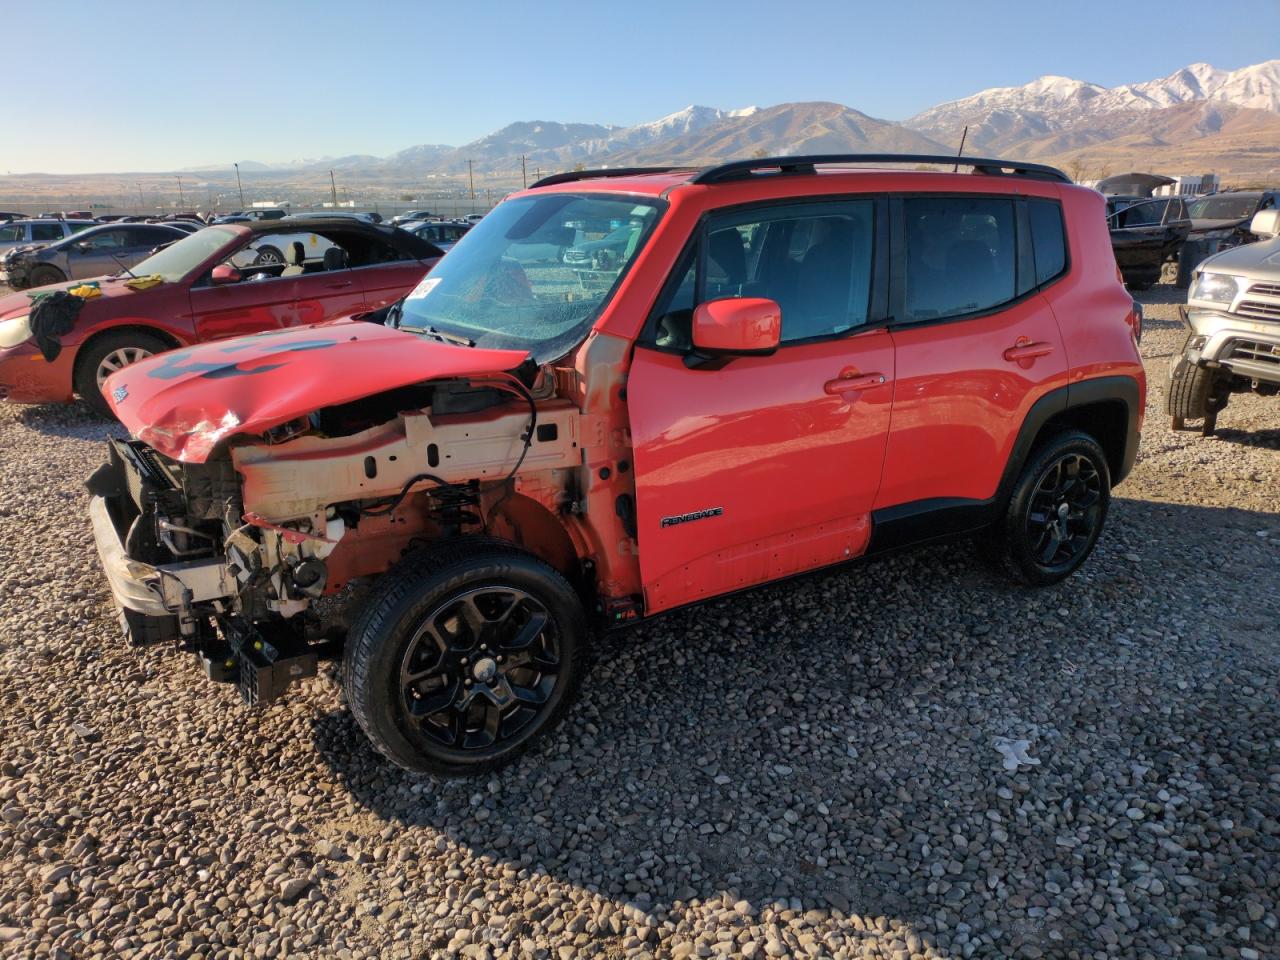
(532, 275)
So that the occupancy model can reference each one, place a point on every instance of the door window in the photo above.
(46, 232)
(13, 233)
(814, 260)
(961, 256)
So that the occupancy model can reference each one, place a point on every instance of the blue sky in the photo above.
(159, 86)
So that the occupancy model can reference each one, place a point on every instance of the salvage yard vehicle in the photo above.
(90, 253)
(19, 233)
(1145, 234)
(1233, 322)
(1219, 222)
(443, 233)
(793, 363)
(193, 291)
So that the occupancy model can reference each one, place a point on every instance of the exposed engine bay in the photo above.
(233, 557)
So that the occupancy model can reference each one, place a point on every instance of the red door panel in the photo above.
(250, 306)
(764, 468)
(388, 282)
(962, 390)
(327, 296)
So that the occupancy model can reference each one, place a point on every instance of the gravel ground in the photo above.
(806, 771)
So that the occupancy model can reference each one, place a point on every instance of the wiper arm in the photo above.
(451, 337)
(123, 267)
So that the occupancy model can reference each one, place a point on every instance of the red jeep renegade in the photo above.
(764, 368)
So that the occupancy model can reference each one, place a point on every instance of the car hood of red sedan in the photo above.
(186, 402)
(19, 304)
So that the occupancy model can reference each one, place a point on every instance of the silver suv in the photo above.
(1233, 314)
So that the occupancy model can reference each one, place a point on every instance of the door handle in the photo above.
(851, 381)
(1024, 349)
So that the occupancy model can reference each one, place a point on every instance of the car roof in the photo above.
(402, 239)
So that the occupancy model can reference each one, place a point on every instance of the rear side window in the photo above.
(961, 255)
(1048, 239)
(44, 232)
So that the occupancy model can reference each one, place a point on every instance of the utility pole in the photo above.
(333, 189)
(141, 202)
(471, 180)
(524, 171)
(182, 200)
(240, 188)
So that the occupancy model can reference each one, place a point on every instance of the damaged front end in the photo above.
(253, 557)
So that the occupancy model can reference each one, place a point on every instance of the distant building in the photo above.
(270, 205)
(1190, 185)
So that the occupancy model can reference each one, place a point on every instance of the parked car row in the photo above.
(1148, 231)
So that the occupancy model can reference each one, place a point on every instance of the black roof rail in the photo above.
(739, 169)
(570, 176)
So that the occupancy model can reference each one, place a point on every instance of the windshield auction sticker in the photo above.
(425, 286)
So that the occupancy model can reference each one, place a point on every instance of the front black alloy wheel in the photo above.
(1056, 512)
(479, 669)
(463, 656)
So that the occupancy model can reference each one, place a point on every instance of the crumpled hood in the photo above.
(1204, 226)
(185, 402)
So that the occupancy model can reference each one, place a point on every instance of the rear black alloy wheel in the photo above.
(463, 655)
(1065, 512)
(1055, 513)
(481, 667)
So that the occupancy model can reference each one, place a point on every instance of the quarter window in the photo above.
(960, 256)
(1048, 240)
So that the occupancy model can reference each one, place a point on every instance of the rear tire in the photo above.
(1055, 513)
(1189, 257)
(464, 655)
(43, 276)
(103, 356)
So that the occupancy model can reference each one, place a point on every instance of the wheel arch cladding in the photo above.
(1107, 408)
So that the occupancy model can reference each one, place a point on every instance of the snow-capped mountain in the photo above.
(1002, 116)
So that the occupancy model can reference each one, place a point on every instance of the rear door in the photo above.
(766, 466)
(385, 274)
(976, 344)
(328, 293)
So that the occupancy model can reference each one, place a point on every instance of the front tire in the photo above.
(43, 276)
(1192, 397)
(104, 356)
(1056, 512)
(465, 654)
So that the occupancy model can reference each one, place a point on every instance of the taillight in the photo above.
(1135, 321)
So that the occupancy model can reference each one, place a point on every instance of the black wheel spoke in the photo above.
(482, 666)
(1064, 511)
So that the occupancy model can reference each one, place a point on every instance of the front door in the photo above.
(767, 466)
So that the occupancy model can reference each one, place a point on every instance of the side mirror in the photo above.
(84, 246)
(735, 327)
(1265, 223)
(224, 273)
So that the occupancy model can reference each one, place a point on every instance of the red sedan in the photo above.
(222, 281)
